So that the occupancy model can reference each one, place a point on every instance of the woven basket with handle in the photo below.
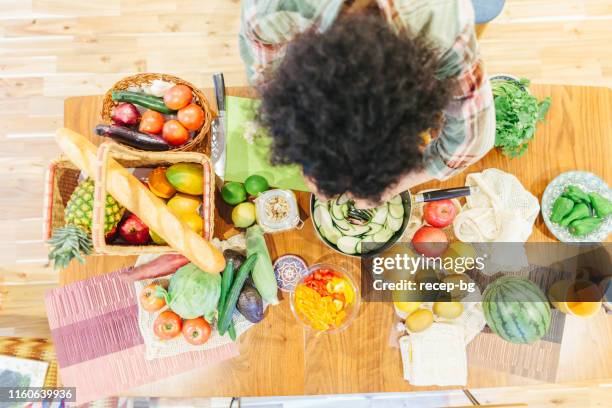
(200, 142)
(63, 177)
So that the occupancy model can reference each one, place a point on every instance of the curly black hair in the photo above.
(349, 105)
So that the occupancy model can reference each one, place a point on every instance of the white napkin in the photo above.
(436, 356)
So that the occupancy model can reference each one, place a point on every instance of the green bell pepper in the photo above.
(561, 208)
(602, 206)
(584, 226)
(576, 194)
(579, 211)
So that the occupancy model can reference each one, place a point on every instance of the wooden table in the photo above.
(277, 358)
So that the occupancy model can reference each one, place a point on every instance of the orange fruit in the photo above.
(159, 184)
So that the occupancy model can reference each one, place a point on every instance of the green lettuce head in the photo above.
(193, 293)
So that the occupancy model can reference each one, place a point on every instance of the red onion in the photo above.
(125, 114)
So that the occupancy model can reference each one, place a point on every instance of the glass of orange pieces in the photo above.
(326, 300)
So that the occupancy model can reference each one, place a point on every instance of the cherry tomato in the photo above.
(148, 299)
(151, 122)
(167, 325)
(196, 331)
(178, 97)
(174, 133)
(191, 116)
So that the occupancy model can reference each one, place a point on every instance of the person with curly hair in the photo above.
(370, 98)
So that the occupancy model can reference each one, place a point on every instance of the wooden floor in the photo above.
(52, 49)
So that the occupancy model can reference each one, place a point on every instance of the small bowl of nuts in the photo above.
(277, 210)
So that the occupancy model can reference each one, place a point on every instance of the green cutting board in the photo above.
(244, 159)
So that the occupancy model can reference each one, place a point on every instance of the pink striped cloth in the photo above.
(94, 325)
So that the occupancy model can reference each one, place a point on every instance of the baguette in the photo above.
(134, 196)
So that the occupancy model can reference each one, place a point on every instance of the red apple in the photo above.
(134, 231)
(439, 213)
(430, 241)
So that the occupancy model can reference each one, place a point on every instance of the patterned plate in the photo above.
(289, 269)
(588, 182)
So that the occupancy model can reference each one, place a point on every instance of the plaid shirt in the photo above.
(468, 132)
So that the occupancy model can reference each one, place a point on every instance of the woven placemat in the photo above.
(100, 351)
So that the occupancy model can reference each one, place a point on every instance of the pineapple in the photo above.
(74, 240)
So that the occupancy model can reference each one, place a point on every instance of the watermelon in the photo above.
(516, 309)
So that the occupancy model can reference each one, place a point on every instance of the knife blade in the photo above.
(218, 128)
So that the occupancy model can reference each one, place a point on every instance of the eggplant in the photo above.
(250, 304)
(132, 138)
(235, 256)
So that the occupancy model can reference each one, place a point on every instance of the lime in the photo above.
(256, 184)
(243, 215)
(233, 193)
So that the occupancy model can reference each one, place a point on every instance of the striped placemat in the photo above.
(94, 325)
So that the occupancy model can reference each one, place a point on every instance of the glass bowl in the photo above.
(351, 311)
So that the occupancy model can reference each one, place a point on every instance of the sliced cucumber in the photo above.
(380, 215)
(370, 244)
(374, 228)
(316, 216)
(394, 224)
(336, 210)
(343, 225)
(396, 200)
(344, 210)
(358, 230)
(348, 245)
(331, 234)
(396, 210)
(383, 235)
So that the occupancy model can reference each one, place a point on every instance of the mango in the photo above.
(186, 178)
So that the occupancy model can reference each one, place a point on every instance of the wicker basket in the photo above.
(63, 177)
(200, 142)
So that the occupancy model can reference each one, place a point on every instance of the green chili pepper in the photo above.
(584, 226)
(576, 194)
(602, 206)
(579, 211)
(561, 208)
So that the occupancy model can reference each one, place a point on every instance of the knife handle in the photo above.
(219, 90)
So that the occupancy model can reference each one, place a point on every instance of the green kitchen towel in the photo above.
(244, 157)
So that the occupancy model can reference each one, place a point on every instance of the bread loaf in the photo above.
(137, 198)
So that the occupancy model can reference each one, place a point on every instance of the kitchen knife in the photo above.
(218, 128)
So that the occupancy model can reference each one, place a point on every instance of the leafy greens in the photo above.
(517, 113)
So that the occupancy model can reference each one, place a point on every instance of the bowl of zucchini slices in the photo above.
(360, 232)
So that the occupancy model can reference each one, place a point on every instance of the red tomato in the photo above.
(196, 331)
(178, 97)
(167, 325)
(191, 116)
(148, 299)
(151, 122)
(439, 213)
(430, 241)
(174, 133)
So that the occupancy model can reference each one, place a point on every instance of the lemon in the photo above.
(419, 320)
(243, 215)
(233, 193)
(407, 307)
(256, 184)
